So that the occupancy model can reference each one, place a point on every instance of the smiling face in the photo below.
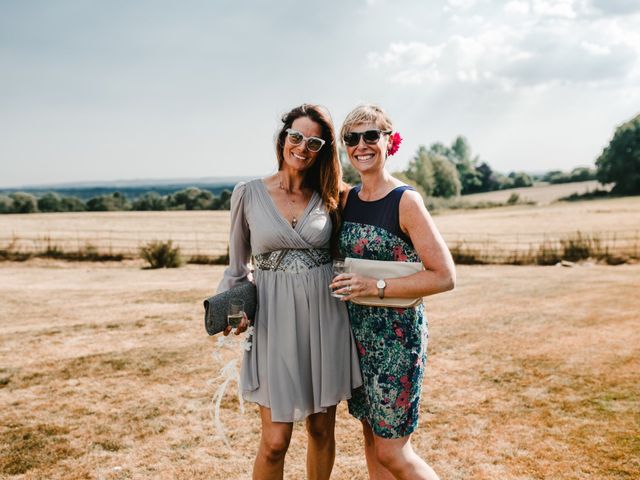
(299, 157)
(365, 157)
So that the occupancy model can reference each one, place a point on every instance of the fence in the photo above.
(466, 247)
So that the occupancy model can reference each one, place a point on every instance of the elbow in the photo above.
(449, 281)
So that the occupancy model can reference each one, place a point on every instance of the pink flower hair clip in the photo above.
(396, 140)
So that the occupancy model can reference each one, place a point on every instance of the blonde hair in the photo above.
(366, 113)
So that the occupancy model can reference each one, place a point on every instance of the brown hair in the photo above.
(366, 113)
(325, 175)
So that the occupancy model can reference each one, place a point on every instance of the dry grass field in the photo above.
(496, 232)
(542, 194)
(106, 373)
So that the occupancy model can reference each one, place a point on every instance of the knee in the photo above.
(388, 457)
(275, 447)
(319, 432)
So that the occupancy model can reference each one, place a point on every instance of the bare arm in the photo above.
(439, 274)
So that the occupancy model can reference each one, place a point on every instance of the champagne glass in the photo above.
(236, 312)
(338, 268)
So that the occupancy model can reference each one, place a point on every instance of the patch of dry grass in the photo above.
(540, 193)
(106, 372)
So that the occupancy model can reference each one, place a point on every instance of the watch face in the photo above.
(381, 284)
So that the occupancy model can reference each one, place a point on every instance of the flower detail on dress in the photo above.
(396, 140)
(398, 254)
(398, 332)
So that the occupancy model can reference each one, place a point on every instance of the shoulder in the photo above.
(242, 187)
(242, 191)
(411, 203)
(347, 192)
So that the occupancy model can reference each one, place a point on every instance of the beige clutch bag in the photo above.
(380, 269)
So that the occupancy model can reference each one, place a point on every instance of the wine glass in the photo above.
(338, 268)
(235, 313)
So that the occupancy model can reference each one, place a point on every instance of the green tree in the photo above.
(72, 204)
(24, 202)
(225, 200)
(520, 179)
(420, 170)
(488, 178)
(349, 174)
(445, 174)
(108, 203)
(581, 174)
(50, 202)
(403, 178)
(150, 201)
(191, 198)
(619, 162)
(6, 204)
(434, 172)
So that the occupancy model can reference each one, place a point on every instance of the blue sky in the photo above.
(102, 91)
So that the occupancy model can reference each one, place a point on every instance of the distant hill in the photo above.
(130, 188)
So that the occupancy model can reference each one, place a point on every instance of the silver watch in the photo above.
(381, 284)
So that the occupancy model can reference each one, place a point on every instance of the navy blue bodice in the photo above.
(383, 213)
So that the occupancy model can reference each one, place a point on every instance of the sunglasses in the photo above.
(314, 144)
(370, 137)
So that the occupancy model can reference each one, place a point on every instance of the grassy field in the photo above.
(542, 194)
(494, 233)
(106, 373)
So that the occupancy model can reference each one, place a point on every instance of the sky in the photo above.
(139, 89)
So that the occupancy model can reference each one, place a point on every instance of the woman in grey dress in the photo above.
(303, 360)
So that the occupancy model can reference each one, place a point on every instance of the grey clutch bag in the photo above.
(217, 306)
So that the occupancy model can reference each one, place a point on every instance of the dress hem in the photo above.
(323, 409)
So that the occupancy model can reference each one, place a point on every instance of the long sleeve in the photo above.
(239, 270)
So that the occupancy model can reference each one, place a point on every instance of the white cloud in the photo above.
(463, 4)
(554, 8)
(518, 7)
(415, 54)
(616, 7)
(595, 49)
(529, 51)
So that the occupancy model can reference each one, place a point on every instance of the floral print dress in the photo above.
(391, 342)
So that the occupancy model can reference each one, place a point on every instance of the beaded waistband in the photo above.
(292, 260)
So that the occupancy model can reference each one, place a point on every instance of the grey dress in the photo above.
(303, 357)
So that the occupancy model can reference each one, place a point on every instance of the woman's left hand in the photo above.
(352, 285)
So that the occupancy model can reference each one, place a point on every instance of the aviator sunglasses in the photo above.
(314, 144)
(371, 137)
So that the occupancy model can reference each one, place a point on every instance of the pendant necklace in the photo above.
(294, 220)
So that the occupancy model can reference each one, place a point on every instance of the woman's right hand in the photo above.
(244, 324)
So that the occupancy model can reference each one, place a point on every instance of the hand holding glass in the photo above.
(338, 268)
(236, 312)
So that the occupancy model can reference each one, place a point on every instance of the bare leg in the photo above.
(274, 443)
(397, 456)
(375, 468)
(321, 448)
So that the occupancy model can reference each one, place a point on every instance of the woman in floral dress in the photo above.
(384, 219)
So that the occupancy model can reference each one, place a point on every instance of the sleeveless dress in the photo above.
(391, 342)
(303, 357)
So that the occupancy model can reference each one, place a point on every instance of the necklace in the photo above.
(294, 220)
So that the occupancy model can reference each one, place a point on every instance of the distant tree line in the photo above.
(578, 174)
(192, 198)
(448, 171)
